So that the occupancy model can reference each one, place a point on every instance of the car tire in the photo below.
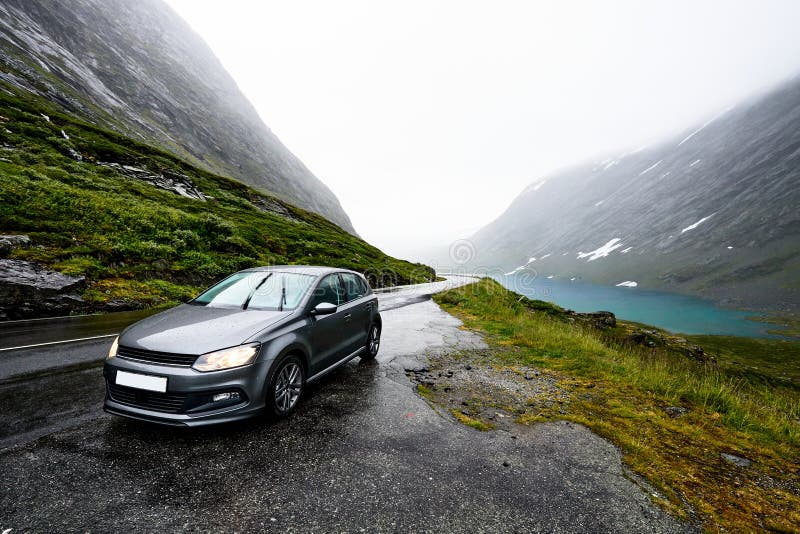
(373, 342)
(286, 387)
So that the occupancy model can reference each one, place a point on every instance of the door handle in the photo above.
(347, 318)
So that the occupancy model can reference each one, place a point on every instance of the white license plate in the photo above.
(134, 380)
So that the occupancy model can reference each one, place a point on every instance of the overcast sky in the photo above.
(427, 118)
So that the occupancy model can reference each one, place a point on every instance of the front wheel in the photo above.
(286, 387)
(373, 343)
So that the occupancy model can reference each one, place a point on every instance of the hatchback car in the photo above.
(248, 345)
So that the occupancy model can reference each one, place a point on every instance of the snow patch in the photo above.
(531, 259)
(535, 187)
(545, 256)
(550, 277)
(610, 164)
(64, 134)
(651, 167)
(572, 279)
(730, 247)
(704, 125)
(45, 117)
(603, 251)
(695, 162)
(597, 203)
(626, 250)
(698, 223)
(627, 283)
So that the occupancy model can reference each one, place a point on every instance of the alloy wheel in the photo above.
(374, 340)
(288, 387)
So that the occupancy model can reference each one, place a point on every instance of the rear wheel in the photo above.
(286, 387)
(373, 343)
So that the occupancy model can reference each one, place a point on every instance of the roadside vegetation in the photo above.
(715, 431)
(63, 183)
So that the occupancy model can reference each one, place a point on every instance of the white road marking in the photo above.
(57, 342)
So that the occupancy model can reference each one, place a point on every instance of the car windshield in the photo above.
(260, 290)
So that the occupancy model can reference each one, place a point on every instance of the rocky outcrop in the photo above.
(10, 242)
(168, 180)
(29, 290)
(271, 205)
(602, 319)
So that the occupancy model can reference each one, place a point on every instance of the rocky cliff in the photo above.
(138, 68)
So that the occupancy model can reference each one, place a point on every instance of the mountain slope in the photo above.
(139, 69)
(713, 212)
(136, 226)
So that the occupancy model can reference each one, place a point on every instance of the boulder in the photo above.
(603, 319)
(29, 290)
(676, 411)
(10, 242)
(738, 461)
(696, 352)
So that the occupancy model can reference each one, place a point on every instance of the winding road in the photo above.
(363, 452)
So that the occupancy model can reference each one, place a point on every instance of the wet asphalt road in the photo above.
(363, 452)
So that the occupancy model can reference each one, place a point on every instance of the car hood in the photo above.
(192, 329)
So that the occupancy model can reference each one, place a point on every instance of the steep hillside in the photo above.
(137, 68)
(713, 212)
(133, 226)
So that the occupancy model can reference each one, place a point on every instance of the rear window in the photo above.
(354, 286)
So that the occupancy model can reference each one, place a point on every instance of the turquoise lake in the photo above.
(677, 313)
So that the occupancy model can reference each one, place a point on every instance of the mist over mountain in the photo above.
(713, 212)
(138, 68)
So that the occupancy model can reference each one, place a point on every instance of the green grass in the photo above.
(620, 390)
(471, 422)
(136, 242)
(768, 362)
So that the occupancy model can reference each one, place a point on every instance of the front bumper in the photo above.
(188, 399)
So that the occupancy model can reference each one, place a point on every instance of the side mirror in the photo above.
(324, 308)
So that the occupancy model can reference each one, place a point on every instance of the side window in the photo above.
(328, 290)
(363, 284)
(353, 286)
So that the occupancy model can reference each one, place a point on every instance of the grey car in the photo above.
(246, 346)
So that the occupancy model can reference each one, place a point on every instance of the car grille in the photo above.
(153, 356)
(147, 400)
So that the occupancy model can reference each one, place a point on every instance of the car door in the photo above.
(329, 342)
(359, 310)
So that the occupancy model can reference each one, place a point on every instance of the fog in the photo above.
(426, 119)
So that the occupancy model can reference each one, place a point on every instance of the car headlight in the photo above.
(226, 358)
(112, 352)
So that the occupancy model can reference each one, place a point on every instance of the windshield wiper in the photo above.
(253, 292)
(283, 296)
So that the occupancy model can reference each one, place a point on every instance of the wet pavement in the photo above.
(363, 453)
(57, 329)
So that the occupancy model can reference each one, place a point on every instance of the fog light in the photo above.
(225, 396)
